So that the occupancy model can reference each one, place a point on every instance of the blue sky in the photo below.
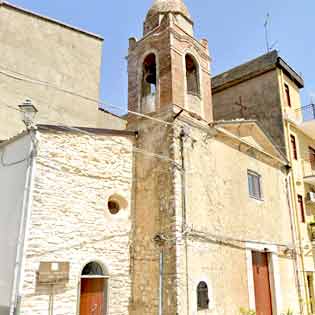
(235, 30)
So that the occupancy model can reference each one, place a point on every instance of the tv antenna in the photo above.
(267, 34)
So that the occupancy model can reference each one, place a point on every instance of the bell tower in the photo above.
(168, 67)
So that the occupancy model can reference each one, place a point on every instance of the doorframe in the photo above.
(274, 275)
(107, 277)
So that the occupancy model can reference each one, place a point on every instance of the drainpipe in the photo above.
(182, 136)
(159, 240)
(294, 193)
(25, 218)
(161, 301)
(295, 262)
(294, 199)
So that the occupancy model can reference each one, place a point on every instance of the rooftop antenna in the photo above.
(267, 22)
(267, 35)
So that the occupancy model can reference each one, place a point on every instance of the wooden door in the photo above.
(92, 298)
(262, 284)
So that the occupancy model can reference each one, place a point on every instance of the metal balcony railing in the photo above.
(309, 171)
(308, 112)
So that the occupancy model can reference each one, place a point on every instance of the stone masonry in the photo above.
(70, 221)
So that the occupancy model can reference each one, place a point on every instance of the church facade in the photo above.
(177, 214)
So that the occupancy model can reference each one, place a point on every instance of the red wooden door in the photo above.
(92, 299)
(262, 284)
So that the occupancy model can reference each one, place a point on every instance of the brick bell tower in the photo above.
(168, 71)
(168, 67)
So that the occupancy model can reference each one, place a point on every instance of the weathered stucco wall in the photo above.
(34, 47)
(155, 213)
(302, 167)
(70, 220)
(220, 211)
(261, 100)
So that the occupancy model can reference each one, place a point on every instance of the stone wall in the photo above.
(70, 221)
(155, 214)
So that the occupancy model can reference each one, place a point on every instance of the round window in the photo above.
(113, 206)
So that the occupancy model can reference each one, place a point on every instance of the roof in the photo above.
(51, 20)
(164, 6)
(256, 137)
(253, 69)
(96, 131)
(19, 135)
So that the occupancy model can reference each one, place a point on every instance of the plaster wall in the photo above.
(302, 167)
(36, 48)
(12, 194)
(221, 217)
(294, 112)
(261, 100)
(70, 221)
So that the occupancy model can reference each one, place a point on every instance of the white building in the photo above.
(65, 215)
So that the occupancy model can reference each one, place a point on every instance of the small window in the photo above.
(191, 76)
(287, 93)
(202, 296)
(294, 147)
(254, 185)
(301, 208)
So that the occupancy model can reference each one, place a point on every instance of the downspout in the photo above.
(295, 262)
(182, 136)
(294, 200)
(299, 233)
(161, 301)
(25, 218)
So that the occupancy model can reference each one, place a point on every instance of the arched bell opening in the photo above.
(192, 75)
(149, 84)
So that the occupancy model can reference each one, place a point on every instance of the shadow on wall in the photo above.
(4, 310)
(49, 289)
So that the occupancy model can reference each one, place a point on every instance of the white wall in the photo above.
(12, 188)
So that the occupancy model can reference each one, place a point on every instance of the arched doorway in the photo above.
(93, 290)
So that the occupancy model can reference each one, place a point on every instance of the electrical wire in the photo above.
(32, 154)
(87, 98)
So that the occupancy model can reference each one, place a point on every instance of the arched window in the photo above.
(149, 84)
(92, 269)
(93, 290)
(192, 75)
(202, 296)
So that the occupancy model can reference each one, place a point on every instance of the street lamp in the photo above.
(28, 111)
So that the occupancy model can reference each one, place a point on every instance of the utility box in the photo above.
(53, 272)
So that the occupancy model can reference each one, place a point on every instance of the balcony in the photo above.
(308, 124)
(309, 172)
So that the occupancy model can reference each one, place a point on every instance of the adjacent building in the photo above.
(42, 59)
(66, 221)
(268, 89)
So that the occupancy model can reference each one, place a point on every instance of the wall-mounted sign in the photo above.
(53, 272)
